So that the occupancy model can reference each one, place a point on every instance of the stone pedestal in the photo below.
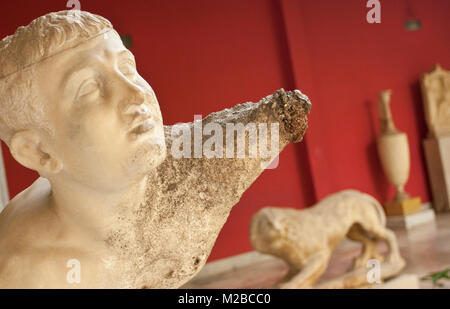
(437, 154)
(425, 216)
(404, 208)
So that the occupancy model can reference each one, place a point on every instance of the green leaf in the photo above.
(437, 277)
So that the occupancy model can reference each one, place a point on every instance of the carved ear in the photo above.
(27, 148)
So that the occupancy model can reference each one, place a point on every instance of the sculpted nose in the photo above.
(136, 95)
(133, 96)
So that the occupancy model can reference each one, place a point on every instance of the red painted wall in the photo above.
(343, 62)
(204, 56)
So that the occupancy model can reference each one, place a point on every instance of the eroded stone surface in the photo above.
(188, 200)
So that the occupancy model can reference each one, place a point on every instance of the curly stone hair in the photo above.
(44, 37)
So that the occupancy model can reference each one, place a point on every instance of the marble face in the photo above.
(106, 120)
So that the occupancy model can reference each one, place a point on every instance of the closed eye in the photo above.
(89, 87)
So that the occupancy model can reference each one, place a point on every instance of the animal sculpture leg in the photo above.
(314, 267)
(383, 233)
(369, 252)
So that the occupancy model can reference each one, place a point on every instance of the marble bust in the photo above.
(112, 199)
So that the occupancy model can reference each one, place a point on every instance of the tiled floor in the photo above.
(426, 249)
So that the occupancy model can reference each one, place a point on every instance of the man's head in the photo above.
(72, 105)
